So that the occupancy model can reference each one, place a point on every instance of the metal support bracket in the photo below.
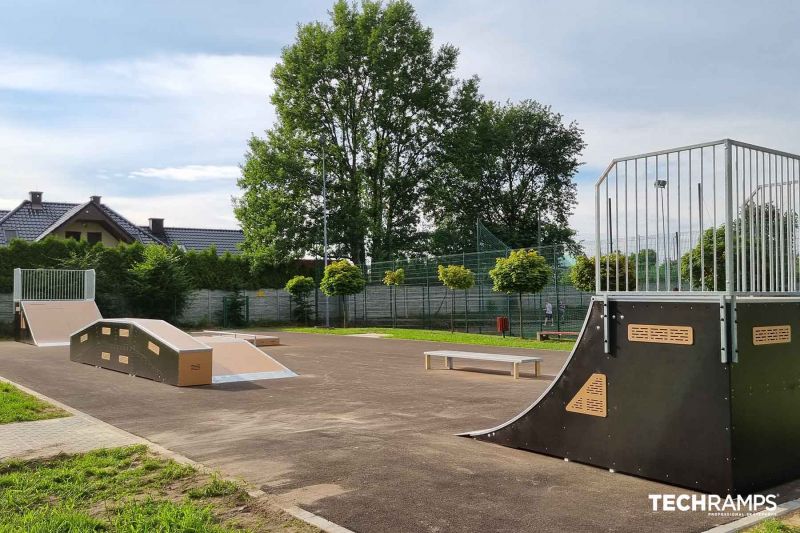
(606, 343)
(723, 330)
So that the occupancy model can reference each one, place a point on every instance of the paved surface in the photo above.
(73, 434)
(365, 437)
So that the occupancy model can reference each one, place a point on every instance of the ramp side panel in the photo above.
(668, 415)
(123, 346)
(52, 323)
(765, 398)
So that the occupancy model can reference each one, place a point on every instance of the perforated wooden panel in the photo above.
(772, 335)
(660, 334)
(123, 359)
(84, 337)
(105, 356)
(106, 331)
(153, 347)
(591, 398)
(124, 332)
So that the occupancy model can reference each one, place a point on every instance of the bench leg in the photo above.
(515, 370)
(537, 368)
(449, 363)
(427, 362)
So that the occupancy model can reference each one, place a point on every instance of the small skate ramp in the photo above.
(237, 359)
(50, 323)
(151, 349)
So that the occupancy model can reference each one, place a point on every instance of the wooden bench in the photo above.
(515, 360)
(544, 335)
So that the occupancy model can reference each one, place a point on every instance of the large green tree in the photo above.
(371, 92)
(510, 166)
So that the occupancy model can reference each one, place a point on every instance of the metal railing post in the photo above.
(729, 288)
(597, 244)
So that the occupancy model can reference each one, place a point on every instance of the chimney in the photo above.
(156, 225)
(36, 199)
(95, 199)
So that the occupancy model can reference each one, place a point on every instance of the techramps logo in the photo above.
(715, 505)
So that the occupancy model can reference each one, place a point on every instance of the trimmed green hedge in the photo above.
(205, 269)
(123, 272)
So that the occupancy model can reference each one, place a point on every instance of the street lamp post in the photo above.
(325, 232)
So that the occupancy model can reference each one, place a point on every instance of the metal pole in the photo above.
(325, 232)
(597, 244)
(728, 219)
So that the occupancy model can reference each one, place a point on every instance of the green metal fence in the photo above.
(423, 302)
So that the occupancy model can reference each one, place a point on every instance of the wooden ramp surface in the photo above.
(238, 360)
(52, 322)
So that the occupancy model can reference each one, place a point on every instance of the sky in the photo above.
(150, 103)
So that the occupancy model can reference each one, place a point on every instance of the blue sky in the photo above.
(150, 104)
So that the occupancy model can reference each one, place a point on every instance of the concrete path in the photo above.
(72, 434)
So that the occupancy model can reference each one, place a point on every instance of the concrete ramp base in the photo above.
(50, 323)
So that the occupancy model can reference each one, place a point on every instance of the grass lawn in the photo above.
(443, 336)
(128, 489)
(18, 406)
(777, 526)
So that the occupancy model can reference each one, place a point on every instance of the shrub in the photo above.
(299, 287)
(342, 278)
(456, 277)
(394, 278)
(159, 287)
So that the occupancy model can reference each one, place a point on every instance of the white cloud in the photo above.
(197, 210)
(145, 118)
(190, 173)
(164, 76)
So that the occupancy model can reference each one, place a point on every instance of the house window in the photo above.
(11, 234)
(73, 235)
(94, 237)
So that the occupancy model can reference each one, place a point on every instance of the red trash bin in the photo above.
(502, 325)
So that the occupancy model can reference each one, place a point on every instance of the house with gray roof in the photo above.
(93, 221)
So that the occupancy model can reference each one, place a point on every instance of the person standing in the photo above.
(548, 313)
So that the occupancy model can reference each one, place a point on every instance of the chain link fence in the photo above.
(422, 301)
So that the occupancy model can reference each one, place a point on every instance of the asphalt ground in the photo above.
(366, 438)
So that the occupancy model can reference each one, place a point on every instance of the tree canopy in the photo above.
(372, 92)
(523, 271)
(342, 278)
(510, 166)
(394, 277)
(456, 277)
(300, 286)
(582, 273)
(412, 155)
